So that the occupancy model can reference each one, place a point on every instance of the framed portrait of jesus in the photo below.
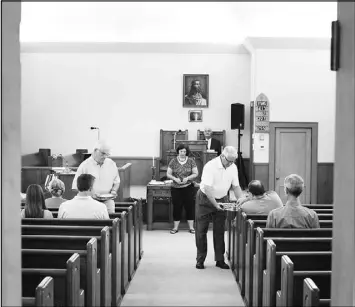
(195, 91)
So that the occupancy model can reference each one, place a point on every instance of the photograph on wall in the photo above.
(195, 91)
(195, 116)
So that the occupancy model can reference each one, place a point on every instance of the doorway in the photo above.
(293, 150)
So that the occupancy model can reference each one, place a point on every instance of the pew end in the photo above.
(44, 294)
(310, 293)
(73, 281)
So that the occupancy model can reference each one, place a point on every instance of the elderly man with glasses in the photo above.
(218, 176)
(107, 179)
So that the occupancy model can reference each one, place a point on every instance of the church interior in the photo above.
(276, 82)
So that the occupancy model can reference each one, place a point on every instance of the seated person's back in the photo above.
(83, 205)
(260, 201)
(35, 205)
(57, 188)
(293, 214)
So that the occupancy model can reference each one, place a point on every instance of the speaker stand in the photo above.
(243, 179)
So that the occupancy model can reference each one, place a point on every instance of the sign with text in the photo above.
(262, 106)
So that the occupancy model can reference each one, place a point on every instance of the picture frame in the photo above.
(195, 91)
(195, 116)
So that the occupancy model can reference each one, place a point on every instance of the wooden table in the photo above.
(160, 215)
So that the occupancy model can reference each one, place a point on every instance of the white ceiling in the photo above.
(201, 22)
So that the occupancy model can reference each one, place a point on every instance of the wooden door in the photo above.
(293, 156)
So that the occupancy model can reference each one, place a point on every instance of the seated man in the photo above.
(259, 201)
(83, 206)
(211, 142)
(293, 214)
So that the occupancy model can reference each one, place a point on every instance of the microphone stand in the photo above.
(98, 132)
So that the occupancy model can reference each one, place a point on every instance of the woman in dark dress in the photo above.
(182, 170)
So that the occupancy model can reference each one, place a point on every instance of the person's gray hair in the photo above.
(102, 145)
(56, 187)
(294, 184)
(230, 151)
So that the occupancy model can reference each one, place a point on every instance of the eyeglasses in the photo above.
(229, 161)
(105, 154)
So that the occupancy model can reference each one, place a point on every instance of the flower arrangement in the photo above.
(55, 160)
(56, 156)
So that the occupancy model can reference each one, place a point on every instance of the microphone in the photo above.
(92, 128)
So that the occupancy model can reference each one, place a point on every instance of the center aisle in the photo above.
(166, 275)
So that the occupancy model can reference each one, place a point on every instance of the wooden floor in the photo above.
(167, 275)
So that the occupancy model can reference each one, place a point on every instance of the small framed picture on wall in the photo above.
(195, 116)
(195, 91)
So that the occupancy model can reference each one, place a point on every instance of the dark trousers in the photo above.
(183, 198)
(202, 222)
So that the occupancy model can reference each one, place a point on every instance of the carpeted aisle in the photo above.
(167, 275)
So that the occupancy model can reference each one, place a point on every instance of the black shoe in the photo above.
(221, 264)
(200, 265)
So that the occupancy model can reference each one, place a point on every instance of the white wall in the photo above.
(129, 96)
(301, 88)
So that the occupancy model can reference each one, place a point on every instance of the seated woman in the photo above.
(35, 206)
(57, 189)
(182, 170)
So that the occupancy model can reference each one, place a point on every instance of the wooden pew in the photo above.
(129, 244)
(259, 259)
(76, 243)
(81, 227)
(293, 272)
(319, 206)
(56, 259)
(66, 291)
(129, 256)
(250, 250)
(138, 226)
(311, 294)
(286, 246)
(42, 295)
(234, 233)
(243, 241)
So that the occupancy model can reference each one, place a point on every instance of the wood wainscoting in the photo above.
(325, 181)
(141, 168)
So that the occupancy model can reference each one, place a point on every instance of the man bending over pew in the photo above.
(258, 200)
(293, 214)
(83, 205)
(104, 170)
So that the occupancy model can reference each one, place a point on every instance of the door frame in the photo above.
(314, 152)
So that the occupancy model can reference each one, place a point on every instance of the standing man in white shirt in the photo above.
(218, 176)
(107, 179)
(83, 206)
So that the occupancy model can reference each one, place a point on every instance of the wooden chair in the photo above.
(218, 135)
(167, 143)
